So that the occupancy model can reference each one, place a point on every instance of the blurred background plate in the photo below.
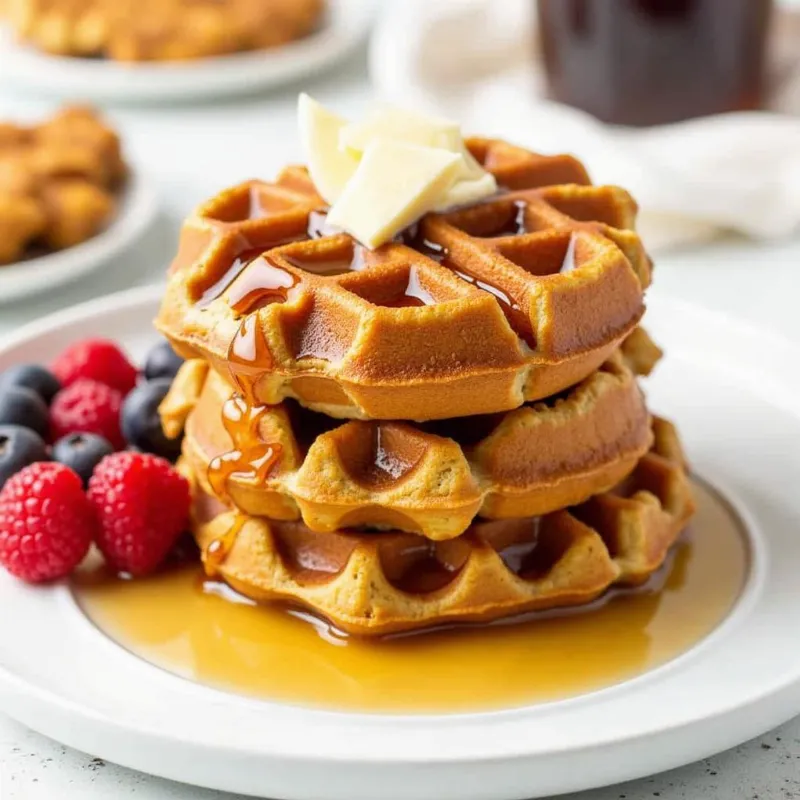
(35, 276)
(347, 23)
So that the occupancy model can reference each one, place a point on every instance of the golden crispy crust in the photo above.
(378, 583)
(429, 479)
(479, 311)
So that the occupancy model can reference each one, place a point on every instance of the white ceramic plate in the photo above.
(736, 396)
(136, 211)
(100, 80)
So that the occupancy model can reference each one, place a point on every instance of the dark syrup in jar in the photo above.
(648, 62)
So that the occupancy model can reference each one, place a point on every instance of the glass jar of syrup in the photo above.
(647, 62)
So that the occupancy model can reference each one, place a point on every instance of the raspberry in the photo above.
(99, 360)
(46, 523)
(87, 407)
(142, 505)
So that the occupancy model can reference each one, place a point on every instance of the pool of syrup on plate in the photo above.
(201, 630)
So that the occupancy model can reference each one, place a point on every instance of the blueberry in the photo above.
(141, 424)
(33, 377)
(19, 447)
(162, 362)
(81, 452)
(20, 406)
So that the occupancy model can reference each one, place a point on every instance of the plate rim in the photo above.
(787, 683)
(757, 571)
(137, 209)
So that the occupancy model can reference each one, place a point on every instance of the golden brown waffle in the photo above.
(57, 182)
(473, 312)
(161, 30)
(378, 583)
(285, 462)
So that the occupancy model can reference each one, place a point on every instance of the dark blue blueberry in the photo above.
(33, 377)
(81, 452)
(162, 362)
(19, 447)
(141, 425)
(20, 406)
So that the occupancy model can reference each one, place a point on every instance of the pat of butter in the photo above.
(385, 172)
(465, 193)
(330, 168)
(472, 168)
(394, 185)
(404, 126)
(407, 126)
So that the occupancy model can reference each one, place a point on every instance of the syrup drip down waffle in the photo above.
(285, 462)
(475, 311)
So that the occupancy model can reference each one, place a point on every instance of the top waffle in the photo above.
(474, 311)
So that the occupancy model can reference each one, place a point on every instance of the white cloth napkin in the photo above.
(474, 61)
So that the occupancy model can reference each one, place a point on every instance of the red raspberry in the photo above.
(46, 523)
(142, 505)
(87, 407)
(99, 360)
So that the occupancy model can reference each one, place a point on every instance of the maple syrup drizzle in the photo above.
(426, 571)
(414, 294)
(388, 466)
(204, 631)
(516, 224)
(262, 283)
(255, 210)
(516, 316)
(433, 250)
(569, 263)
(412, 237)
(251, 459)
(218, 549)
(318, 226)
(248, 357)
(240, 261)
(333, 266)
(519, 556)
(505, 299)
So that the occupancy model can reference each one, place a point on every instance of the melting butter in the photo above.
(383, 173)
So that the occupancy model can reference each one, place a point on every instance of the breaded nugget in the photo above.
(22, 219)
(161, 30)
(76, 211)
(80, 128)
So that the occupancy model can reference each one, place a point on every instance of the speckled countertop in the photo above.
(34, 768)
(719, 276)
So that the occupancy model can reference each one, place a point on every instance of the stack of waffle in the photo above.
(448, 428)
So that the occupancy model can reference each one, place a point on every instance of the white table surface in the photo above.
(189, 152)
